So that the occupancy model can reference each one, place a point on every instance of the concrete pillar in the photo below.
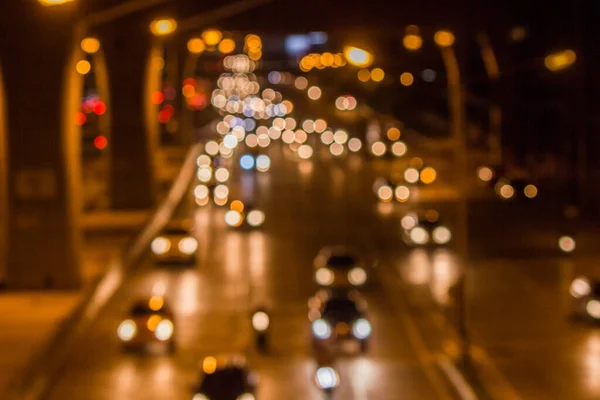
(132, 77)
(38, 53)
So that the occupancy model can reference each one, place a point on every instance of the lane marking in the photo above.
(423, 353)
(457, 379)
(505, 390)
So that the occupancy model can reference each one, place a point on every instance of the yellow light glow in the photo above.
(393, 134)
(53, 2)
(90, 45)
(444, 38)
(158, 62)
(339, 60)
(485, 174)
(254, 54)
(407, 79)
(358, 57)
(327, 59)
(237, 205)
(152, 322)
(196, 45)
(163, 27)
(377, 74)
(412, 42)
(428, 175)
(226, 46)
(83, 67)
(188, 91)
(212, 36)
(364, 75)
(307, 63)
(209, 365)
(560, 60)
(156, 303)
(253, 42)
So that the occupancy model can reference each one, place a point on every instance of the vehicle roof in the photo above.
(142, 306)
(180, 226)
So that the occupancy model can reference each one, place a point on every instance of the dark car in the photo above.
(423, 228)
(339, 320)
(226, 380)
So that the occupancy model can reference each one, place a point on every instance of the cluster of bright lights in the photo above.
(321, 61)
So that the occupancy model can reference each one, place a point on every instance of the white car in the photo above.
(339, 267)
(175, 244)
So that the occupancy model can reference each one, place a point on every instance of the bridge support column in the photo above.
(41, 92)
(133, 75)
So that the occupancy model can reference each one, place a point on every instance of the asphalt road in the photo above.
(517, 303)
(307, 205)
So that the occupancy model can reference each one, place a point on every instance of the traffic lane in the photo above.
(223, 302)
(340, 219)
(518, 314)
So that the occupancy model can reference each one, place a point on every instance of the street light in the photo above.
(163, 27)
(196, 45)
(358, 57)
(444, 38)
(49, 3)
(560, 60)
(90, 45)
(212, 37)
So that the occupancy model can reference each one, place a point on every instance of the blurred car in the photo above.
(386, 189)
(244, 216)
(218, 192)
(175, 244)
(518, 187)
(423, 228)
(339, 321)
(226, 378)
(148, 324)
(585, 293)
(339, 267)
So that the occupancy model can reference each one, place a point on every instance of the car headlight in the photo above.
(233, 218)
(441, 235)
(327, 378)
(260, 321)
(357, 276)
(188, 245)
(361, 328)
(419, 235)
(127, 330)
(580, 287)
(324, 276)
(321, 329)
(200, 396)
(160, 245)
(593, 308)
(255, 218)
(164, 330)
(246, 396)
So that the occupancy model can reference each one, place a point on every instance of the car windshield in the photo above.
(227, 383)
(341, 309)
(342, 261)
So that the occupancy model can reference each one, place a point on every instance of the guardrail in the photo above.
(42, 370)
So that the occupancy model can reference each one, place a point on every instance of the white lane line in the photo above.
(423, 354)
(493, 380)
(465, 391)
